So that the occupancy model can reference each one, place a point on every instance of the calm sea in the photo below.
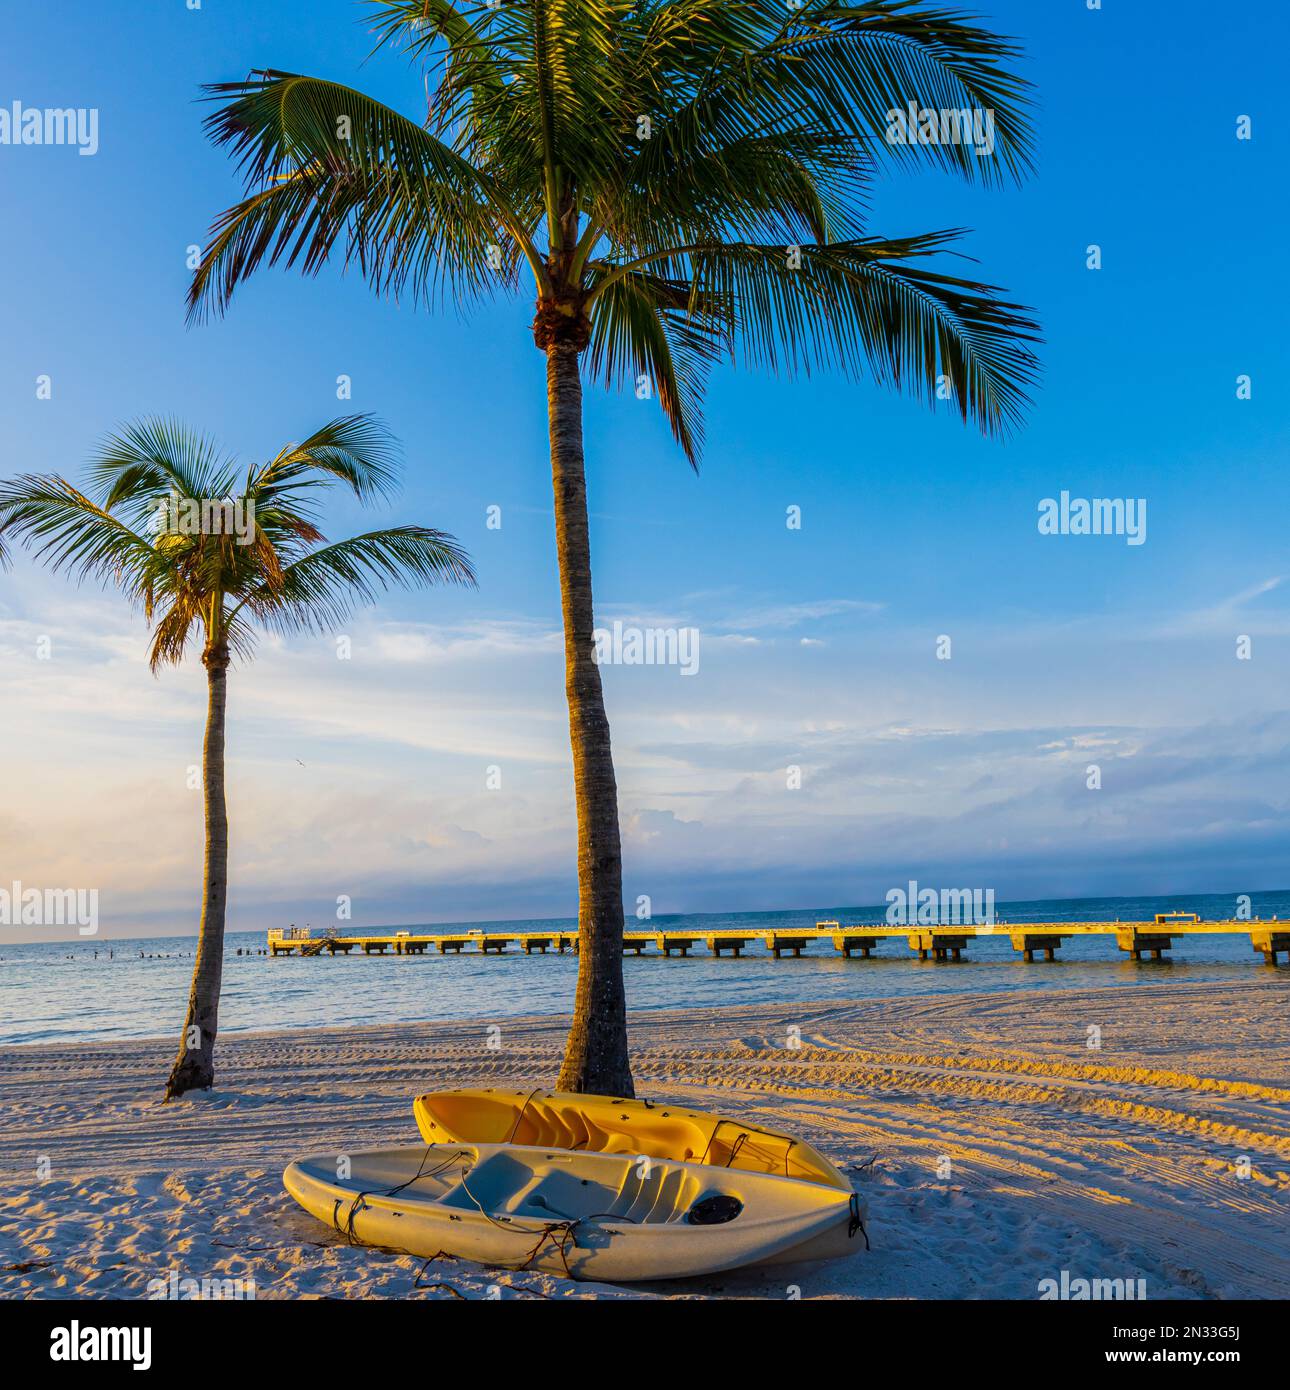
(98, 989)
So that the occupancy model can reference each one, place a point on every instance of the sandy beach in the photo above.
(994, 1147)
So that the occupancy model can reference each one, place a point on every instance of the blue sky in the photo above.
(818, 645)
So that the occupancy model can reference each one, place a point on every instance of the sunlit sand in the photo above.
(995, 1147)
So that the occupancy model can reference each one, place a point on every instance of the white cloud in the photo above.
(790, 615)
(1237, 613)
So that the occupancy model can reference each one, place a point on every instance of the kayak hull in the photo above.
(608, 1217)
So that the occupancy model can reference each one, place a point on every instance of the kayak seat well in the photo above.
(539, 1123)
(551, 1188)
(504, 1184)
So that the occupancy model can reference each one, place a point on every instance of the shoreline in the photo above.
(57, 1001)
(1004, 1149)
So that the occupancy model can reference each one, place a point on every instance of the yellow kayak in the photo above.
(601, 1124)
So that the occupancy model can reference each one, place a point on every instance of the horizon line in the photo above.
(655, 917)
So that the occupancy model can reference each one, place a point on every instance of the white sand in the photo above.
(1126, 1162)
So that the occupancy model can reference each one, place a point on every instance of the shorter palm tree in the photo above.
(165, 522)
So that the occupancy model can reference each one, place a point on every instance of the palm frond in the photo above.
(67, 529)
(858, 63)
(325, 164)
(323, 588)
(472, 68)
(842, 305)
(152, 458)
(644, 326)
(358, 450)
(172, 634)
(873, 302)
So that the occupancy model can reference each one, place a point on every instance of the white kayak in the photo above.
(612, 1217)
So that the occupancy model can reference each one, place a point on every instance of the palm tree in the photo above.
(164, 522)
(685, 182)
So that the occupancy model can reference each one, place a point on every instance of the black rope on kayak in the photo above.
(568, 1232)
(857, 1223)
(451, 1161)
(355, 1206)
(745, 1134)
(515, 1128)
(703, 1157)
(568, 1235)
(438, 1255)
(359, 1202)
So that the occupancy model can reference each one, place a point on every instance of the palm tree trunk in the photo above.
(194, 1068)
(595, 1058)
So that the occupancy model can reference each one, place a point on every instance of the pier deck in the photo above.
(937, 942)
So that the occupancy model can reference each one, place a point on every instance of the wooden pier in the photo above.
(937, 943)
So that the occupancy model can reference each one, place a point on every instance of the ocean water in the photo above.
(103, 989)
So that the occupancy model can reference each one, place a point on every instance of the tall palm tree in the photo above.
(685, 181)
(165, 522)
